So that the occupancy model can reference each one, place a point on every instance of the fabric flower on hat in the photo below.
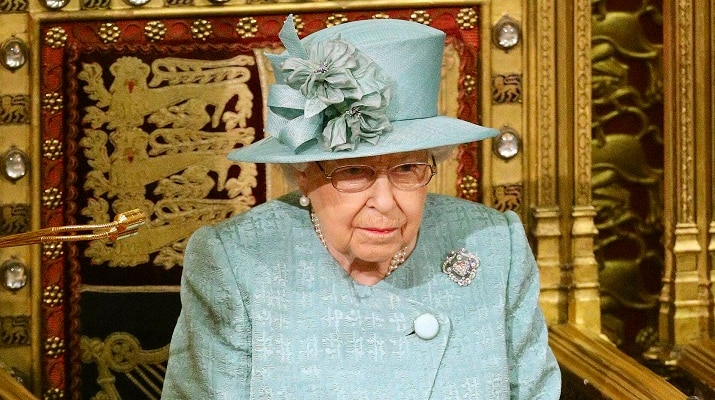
(347, 87)
(365, 120)
(325, 78)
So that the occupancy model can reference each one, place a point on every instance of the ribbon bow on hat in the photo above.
(331, 92)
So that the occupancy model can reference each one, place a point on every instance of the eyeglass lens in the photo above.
(355, 178)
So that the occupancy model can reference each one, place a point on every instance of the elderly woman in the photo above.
(362, 285)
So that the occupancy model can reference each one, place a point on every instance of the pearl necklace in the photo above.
(397, 260)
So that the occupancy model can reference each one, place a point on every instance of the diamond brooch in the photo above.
(461, 266)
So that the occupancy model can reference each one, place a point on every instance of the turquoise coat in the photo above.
(269, 314)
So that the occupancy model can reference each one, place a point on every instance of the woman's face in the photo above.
(371, 225)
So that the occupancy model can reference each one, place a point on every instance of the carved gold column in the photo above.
(546, 211)
(686, 298)
(560, 124)
(585, 302)
(584, 297)
(705, 125)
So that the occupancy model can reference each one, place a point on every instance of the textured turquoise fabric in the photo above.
(409, 54)
(269, 314)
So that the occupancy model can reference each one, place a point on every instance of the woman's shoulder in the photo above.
(458, 222)
(273, 218)
(443, 206)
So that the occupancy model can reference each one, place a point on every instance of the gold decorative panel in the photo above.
(14, 109)
(627, 170)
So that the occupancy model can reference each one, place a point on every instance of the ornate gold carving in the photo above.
(555, 275)
(299, 24)
(51, 197)
(13, 6)
(686, 312)
(173, 3)
(381, 16)
(95, 4)
(628, 244)
(109, 32)
(469, 187)
(684, 94)
(53, 394)
(469, 83)
(506, 88)
(545, 91)
(52, 251)
(178, 158)
(585, 299)
(467, 19)
(336, 19)
(507, 197)
(421, 16)
(52, 296)
(155, 31)
(14, 382)
(14, 218)
(14, 330)
(52, 102)
(547, 227)
(627, 174)
(593, 368)
(14, 109)
(52, 149)
(697, 359)
(121, 353)
(201, 29)
(54, 346)
(247, 27)
(56, 37)
(582, 104)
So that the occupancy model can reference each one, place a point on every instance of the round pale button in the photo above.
(426, 326)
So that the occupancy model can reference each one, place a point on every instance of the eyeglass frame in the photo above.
(329, 176)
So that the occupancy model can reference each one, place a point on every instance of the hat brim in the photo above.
(406, 135)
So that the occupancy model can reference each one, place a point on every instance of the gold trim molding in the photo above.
(597, 363)
(562, 214)
(546, 213)
(686, 311)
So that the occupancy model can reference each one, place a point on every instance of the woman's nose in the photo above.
(382, 196)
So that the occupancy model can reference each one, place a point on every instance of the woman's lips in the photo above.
(380, 231)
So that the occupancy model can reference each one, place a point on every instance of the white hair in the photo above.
(442, 153)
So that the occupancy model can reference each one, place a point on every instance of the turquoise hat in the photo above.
(357, 89)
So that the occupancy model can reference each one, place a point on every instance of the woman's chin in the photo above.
(377, 254)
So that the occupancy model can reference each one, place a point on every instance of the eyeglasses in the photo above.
(356, 178)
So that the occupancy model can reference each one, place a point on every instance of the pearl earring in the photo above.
(304, 201)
